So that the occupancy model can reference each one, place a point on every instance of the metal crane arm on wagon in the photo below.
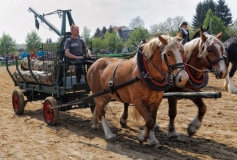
(61, 13)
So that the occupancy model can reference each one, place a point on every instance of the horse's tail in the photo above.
(135, 114)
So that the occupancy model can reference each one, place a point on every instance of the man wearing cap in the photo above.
(73, 50)
(40, 53)
(183, 28)
(24, 54)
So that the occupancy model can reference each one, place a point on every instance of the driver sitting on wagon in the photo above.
(73, 50)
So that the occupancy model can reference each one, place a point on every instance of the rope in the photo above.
(205, 70)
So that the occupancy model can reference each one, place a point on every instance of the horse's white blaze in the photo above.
(231, 87)
(108, 133)
(152, 139)
(194, 125)
(182, 75)
(222, 63)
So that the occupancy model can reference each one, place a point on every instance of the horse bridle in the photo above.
(174, 66)
(212, 63)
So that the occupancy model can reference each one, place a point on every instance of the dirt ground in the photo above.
(29, 137)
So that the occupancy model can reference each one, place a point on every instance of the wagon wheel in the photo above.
(50, 115)
(18, 101)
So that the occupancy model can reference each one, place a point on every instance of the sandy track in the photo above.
(28, 137)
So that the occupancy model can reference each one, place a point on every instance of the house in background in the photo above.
(121, 31)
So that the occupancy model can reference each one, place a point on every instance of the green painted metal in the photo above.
(64, 14)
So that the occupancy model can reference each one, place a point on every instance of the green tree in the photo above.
(97, 44)
(113, 42)
(86, 36)
(233, 29)
(32, 39)
(138, 34)
(110, 29)
(136, 22)
(216, 25)
(97, 32)
(201, 11)
(223, 11)
(7, 44)
(48, 40)
(104, 30)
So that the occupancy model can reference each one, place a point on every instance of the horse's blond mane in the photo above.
(190, 46)
(150, 47)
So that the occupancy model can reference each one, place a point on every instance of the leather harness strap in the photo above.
(111, 82)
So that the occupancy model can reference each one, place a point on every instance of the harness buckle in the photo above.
(111, 83)
(111, 86)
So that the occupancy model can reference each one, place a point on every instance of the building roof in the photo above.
(116, 29)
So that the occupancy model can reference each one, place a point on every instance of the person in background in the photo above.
(40, 53)
(73, 50)
(24, 54)
(183, 28)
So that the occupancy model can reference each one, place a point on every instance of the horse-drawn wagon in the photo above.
(55, 82)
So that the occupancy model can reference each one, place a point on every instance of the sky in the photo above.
(17, 21)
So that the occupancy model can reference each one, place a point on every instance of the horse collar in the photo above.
(194, 82)
(146, 77)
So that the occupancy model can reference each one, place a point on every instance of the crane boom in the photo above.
(51, 26)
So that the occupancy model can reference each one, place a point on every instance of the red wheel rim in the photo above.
(15, 101)
(48, 112)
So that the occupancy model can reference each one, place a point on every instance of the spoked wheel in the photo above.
(50, 115)
(18, 101)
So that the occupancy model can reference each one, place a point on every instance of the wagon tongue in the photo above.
(165, 95)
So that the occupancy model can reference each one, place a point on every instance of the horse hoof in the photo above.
(153, 142)
(123, 125)
(110, 137)
(174, 138)
(94, 126)
(140, 136)
(191, 131)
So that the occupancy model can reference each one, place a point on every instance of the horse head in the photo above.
(197, 34)
(211, 51)
(204, 29)
(172, 52)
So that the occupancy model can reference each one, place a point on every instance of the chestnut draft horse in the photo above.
(205, 52)
(159, 55)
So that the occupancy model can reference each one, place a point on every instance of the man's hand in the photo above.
(88, 56)
(80, 57)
